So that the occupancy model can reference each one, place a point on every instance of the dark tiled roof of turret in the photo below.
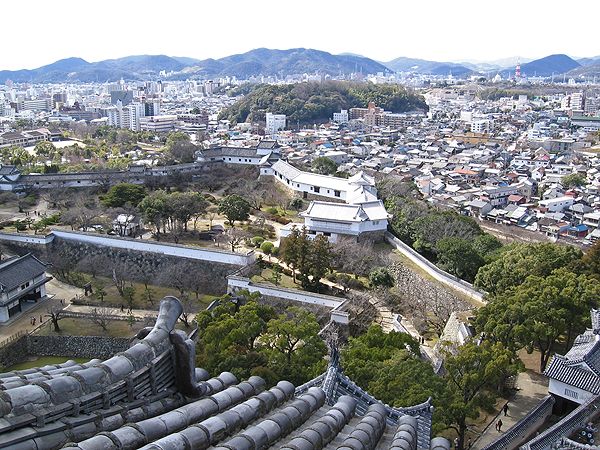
(152, 397)
(580, 366)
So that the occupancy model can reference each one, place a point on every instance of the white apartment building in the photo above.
(341, 117)
(274, 122)
(558, 204)
(158, 124)
(480, 126)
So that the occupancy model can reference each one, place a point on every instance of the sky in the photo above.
(39, 32)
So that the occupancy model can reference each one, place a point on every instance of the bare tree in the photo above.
(55, 314)
(235, 237)
(118, 279)
(101, 316)
(357, 258)
(212, 212)
(56, 197)
(187, 313)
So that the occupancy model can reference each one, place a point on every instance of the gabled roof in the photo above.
(16, 271)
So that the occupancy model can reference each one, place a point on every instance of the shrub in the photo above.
(331, 277)
(272, 210)
(380, 276)
(267, 247)
(257, 241)
(353, 283)
(282, 220)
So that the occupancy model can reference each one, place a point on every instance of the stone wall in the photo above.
(14, 353)
(141, 266)
(68, 346)
(137, 265)
(102, 347)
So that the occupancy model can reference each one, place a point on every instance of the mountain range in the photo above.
(282, 63)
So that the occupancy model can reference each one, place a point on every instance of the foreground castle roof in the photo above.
(152, 397)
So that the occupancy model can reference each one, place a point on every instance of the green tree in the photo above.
(473, 375)
(124, 193)
(296, 203)
(517, 261)
(324, 166)
(292, 344)
(458, 257)
(312, 258)
(388, 366)
(179, 148)
(267, 248)
(380, 276)
(573, 180)
(186, 205)
(253, 339)
(438, 225)
(234, 208)
(129, 295)
(44, 148)
(487, 246)
(154, 207)
(100, 293)
(276, 276)
(538, 313)
(589, 262)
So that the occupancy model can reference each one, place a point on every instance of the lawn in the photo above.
(40, 361)
(71, 326)
(140, 300)
(266, 276)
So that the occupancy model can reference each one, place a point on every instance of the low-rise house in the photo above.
(22, 282)
(479, 208)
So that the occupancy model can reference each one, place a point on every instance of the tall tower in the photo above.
(518, 70)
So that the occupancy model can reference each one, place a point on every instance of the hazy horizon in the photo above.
(44, 32)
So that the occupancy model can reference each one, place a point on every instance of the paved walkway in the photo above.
(57, 291)
(532, 388)
(139, 314)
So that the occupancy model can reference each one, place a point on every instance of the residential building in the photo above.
(341, 117)
(558, 204)
(275, 122)
(158, 124)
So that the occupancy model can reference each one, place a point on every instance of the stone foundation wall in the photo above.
(14, 353)
(138, 265)
(68, 346)
(102, 347)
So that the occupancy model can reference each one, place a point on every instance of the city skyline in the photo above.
(461, 33)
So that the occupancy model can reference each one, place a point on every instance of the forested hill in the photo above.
(309, 103)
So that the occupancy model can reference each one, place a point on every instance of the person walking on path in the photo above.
(505, 409)
(499, 425)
